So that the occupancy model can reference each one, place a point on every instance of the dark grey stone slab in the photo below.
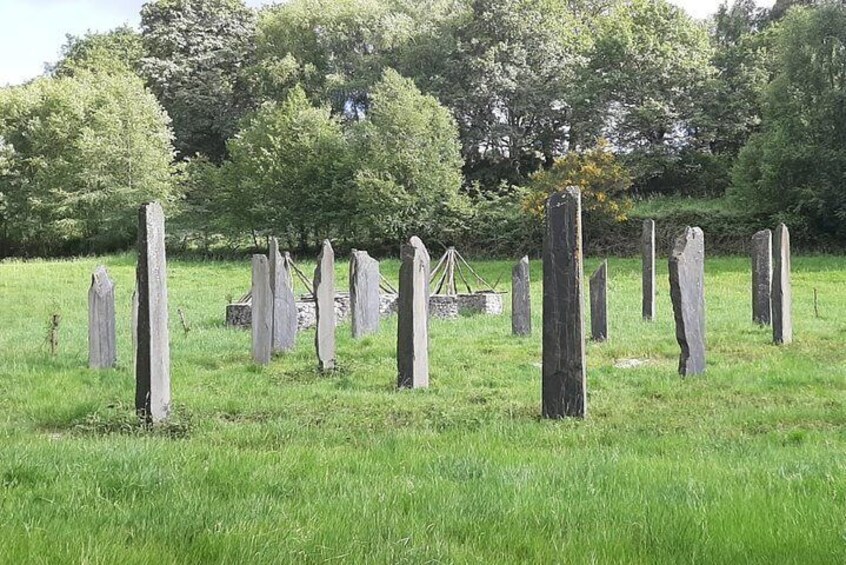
(687, 290)
(564, 389)
(324, 294)
(762, 276)
(782, 296)
(284, 303)
(413, 316)
(521, 299)
(152, 356)
(102, 343)
(261, 323)
(648, 277)
(364, 294)
(599, 303)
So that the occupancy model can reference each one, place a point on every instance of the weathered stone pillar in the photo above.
(284, 303)
(687, 290)
(324, 294)
(782, 296)
(364, 294)
(599, 303)
(262, 311)
(648, 251)
(413, 316)
(564, 390)
(521, 299)
(102, 348)
(762, 276)
(152, 356)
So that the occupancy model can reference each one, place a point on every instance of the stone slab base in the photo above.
(239, 314)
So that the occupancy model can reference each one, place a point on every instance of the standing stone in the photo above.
(284, 309)
(521, 299)
(364, 294)
(564, 390)
(687, 290)
(413, 316)
(262, 311)
(134, 322)
(152, 356)
(782, 298)
(599, 303)
(648, 250)
(324, 295)
(762, 276)
(102, 349)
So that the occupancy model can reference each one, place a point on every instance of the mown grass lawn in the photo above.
(744, 465)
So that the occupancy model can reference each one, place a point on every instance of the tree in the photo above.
(289, 173)
(643, 84)
(196, 51)
(118, 51)
(795, 167)
(81, 154)
(507, 69)
(409, 175)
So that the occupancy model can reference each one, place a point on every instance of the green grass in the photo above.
(744, 465)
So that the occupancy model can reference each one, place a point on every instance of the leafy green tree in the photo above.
(117, 51)
(644, 83)
(507, 69)
(81, 153)
(731, 109)
(289, 173)
(196, 51)
(409, 173)
(794, 169)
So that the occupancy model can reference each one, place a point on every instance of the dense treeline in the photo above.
(368, 120)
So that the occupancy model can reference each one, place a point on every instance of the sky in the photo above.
(33, 31)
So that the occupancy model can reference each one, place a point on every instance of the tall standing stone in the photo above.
(564, 390)
(262, 311)
(152, 356)
(782, 297)
(521, 299)
(762, 276)
(364, 294)
(599, 303)
(324, 295)
(648, 251)
(413, 316)
(284, 309)
(102, 348)
(687, 290)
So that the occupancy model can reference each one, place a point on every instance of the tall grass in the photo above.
(281, 464)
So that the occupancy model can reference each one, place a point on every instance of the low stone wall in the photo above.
(239, 314)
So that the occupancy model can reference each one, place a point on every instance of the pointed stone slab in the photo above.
(648, 277)
(364, 294)
(782, 295)
(261, 323)
(564, 390)
(521, 299)
(762, 276)
(102, 348)
(324, 294)
(599, 303)
(687, 290)
(413, 316)
(284, 309)
(152, 356)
